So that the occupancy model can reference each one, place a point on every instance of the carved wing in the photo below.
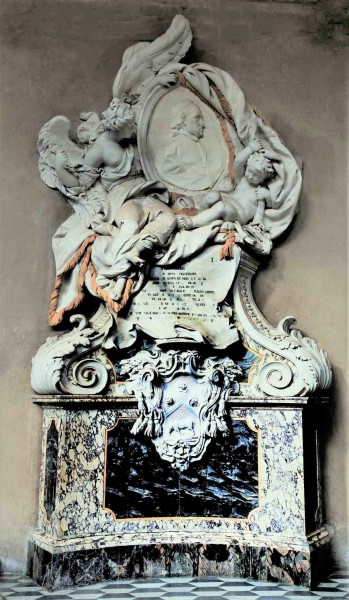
(145, 59)
(90, 204)
(54, 137)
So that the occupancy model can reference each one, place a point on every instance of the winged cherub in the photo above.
(120, 218)
(134, 220)
(105, 157)
(110, 159)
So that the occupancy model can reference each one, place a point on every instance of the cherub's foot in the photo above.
(185, 222)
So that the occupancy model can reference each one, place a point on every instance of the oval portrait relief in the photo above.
(181, 143)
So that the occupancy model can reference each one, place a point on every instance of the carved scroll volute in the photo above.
(290, 364)
(68, 363)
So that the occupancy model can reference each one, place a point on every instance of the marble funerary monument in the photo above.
(180, 428)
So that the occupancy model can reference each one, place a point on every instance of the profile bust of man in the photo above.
(183, 162)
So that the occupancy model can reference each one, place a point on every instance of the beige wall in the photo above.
(60, 57)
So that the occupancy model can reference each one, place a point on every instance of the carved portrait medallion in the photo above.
(182, 144)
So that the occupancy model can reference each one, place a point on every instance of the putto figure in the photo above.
(252, 168)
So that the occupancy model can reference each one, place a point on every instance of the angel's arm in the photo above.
(83, 175)
(243, 156)
(61, 167)
(94, 155)
(66, 177)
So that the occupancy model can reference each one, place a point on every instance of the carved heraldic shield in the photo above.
(181, 401)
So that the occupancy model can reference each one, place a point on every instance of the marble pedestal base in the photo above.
(104, 514)
(62, 569)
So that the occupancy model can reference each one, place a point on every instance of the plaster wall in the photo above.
(60, 57)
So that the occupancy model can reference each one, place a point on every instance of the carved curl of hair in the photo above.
(117, 116)
(261, 163)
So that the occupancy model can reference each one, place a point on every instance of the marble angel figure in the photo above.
(120, 218)
(122, 223)
(131, 221)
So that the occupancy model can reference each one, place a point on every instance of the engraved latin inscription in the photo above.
(176, 293)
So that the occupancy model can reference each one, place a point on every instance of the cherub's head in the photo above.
(119, 117)
(259, 168)
(189, 117)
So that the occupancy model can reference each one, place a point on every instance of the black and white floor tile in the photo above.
(179, 588)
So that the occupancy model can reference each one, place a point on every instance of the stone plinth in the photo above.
(111, 508)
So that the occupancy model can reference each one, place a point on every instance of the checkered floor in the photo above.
(179, 588)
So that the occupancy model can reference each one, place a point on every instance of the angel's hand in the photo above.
(62, 160)
(224, 232)
(269, 154)
(262, 193)
(64, 170)
(228, 226)
(166, 79)
(61, 156)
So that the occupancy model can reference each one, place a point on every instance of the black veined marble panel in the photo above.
(224, 483)
(51, 469)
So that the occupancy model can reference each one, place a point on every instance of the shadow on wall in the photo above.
(332, 25)
(329, 426)
(10, 565)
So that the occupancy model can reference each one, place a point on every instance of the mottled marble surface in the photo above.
(217, 520)
(51, 456)
(80, 510)
(224, 483)
(84, 567)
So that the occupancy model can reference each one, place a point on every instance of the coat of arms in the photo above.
(181, 401)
